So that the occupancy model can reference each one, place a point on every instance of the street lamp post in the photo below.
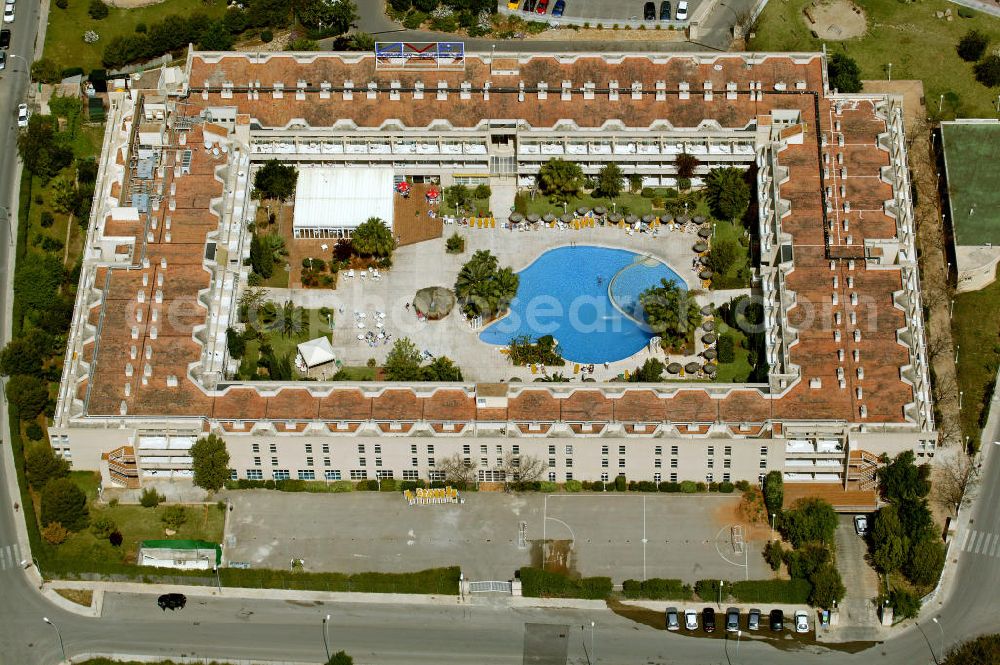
(62, 647)
(960, 393)
(592, 647)
(722, 583)
(941, 628)
(218, 578)
(890, 72)
(326, 642)
(739, 634)
(10, 228)
(772, 526)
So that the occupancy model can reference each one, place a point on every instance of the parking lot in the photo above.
(620, 535)
(608, 12)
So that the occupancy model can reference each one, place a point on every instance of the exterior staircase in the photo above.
(122, 468)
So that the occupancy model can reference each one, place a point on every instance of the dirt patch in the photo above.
(83, 597)
(835, 19)
(560, 557)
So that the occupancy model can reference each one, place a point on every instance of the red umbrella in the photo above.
(432, 193)
(403, 187)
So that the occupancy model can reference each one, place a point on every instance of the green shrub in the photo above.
(290, 485)
(774, 554)
(792, 592)
(546, 486)
(726, 487)
(657, 588)
(174, 517)
(647, 193)
(338, 486)
(266, 36)
(701, 487)
(141, 27)
(670, 487)
(647, 486)
(47, 220)
(455, 244)
(713, 487)
(742, 485)
(689, 486)
(905, 605)
(621, 484)
(414, 20)
(684, 184)
(726, 347)
(150, 498)
(573, 486)
(103, 527)
(538, 583)
(708, 590)
(98, 10)
(388, 485)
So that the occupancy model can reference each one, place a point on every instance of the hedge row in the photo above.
(334, 486)
(657, 588)
(391, 485)
(791, 592)
(538, 583)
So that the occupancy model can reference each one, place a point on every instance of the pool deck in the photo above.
(427, 264)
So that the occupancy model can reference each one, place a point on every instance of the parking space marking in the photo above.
(972, 543)
(981, 541)
(965, 541)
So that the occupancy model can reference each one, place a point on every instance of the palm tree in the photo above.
(504, 289)
(289, 321)
(670, 313)
(373, 238)
(472, 286)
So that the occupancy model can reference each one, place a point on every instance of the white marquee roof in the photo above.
(342, 197)
(317, 352)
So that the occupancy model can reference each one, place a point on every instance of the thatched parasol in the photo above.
(705, 232)
(631, 219)
(691, 368)
(708, 326)
(674, 368)
(700, 247)
(582, 210)
(548, 217)
(600, 210)
(698, 219)
(706, 274)
(533, 218)
(434, 302)
(516, 218)
(567, 218)
(710, 368)
(708, 338)
(666, 218)
(646, 219)
(683, 219)
(710, 354)
(706, 310)
(615, 217)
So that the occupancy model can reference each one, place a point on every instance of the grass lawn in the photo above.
(64, 36)
(919, 46)
(313, 325)
(732, 279)
(481, 207)
(737, 371)
(352, 373)
(625, 203)
(278, 278)
(976, 331)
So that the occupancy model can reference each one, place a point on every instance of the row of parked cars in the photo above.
(649, 11)
(775, 620)
(538, 6)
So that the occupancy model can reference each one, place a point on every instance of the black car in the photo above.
(172, 601)
(649, 11)
(4, 38)
(708, 619)
(665, 10)
(777, 618)
(529, 5)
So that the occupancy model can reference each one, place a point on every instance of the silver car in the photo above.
(673, 620)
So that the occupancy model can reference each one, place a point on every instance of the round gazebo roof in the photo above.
(434, 302)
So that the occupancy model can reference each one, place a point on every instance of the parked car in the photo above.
(513, 4)
(665, 10)
(861, 524)
(777, 620)
(682, 10)
(529, 5)
(8, 14)
(708, 619)
(801, 621)
(172, 601)
(673, 620)
(732, 619)
(3, 60)
(542, 6)
(649, 11)
(753, 619)
(690, 619)
(4, 39)
(559, 8)
(22, 115)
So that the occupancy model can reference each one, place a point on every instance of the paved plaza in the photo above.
(428, 264)
(624, 536)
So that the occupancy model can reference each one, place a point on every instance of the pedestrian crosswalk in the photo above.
(981, 542)
(10, 556)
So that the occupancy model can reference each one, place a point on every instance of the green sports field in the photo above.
(970, 150)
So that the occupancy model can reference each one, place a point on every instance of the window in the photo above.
(414, 461)
(436, 476)
(430, 462)
(725, 477)
(309, 448)
(569, 450)
(466, 449)
(430, 449)
(255, 474)
(604, 477)
(499, 450)
(499, 461)
(378, 461)
(274, 461)
(673, 450)
(281, 474)
(326, 448)
(658, 450)
(673, 462)
(483, 450)
(378, 448)
(569, 462)
(657, 463)
(410, 474)
(361, 449)
(273, 447)
(709, 478)
(621, 463)
(569, 476)
(483, 461)
(621, 450)
(552, 476)
(657, 478)
(516, 462)
(307, 474)
(673, 477)
(760, 478)
(552, 450)
(763, 451)
(359, 474)
(255, 447)
(552, 462)
(711, 464)
(516, 449)
(727, 463)
(604, 450)
(383, 474)
(331, 474)
(362, 462)
(604, 462)
(326, 461)
(256, 461)
(763, 464)
(467, 461)
(413, 449)
(711, 450)
(310, 461)
(728, 450)
(233, 475)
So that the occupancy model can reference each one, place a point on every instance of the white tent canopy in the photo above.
(332, 202)
(317, 351)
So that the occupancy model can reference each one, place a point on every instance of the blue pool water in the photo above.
(564, 293)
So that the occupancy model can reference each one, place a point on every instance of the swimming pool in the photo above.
(564, 293)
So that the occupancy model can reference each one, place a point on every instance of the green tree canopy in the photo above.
(560, 180)
(723, 255)
(484, 288)
(988, 71)
(844, 73)
(28, 394)
(902, 480)
(21, 356)
(983, 649)
(827, 587)
(37, 279)
(728, 192)
(329, 17)
(670, 313)
(275, 180)
(210, 462)
(774, 492)
(64, 502)
(651, 371)
(41, 465)
(43, 151)
(972, 45)
(926, 562)
(373, 238)
(442, 369)
(340, 658)
(261, 256)
(609, 180)
(403, 362)
(809, 520)
(889, 541)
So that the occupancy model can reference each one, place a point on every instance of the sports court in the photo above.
(972, 169)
